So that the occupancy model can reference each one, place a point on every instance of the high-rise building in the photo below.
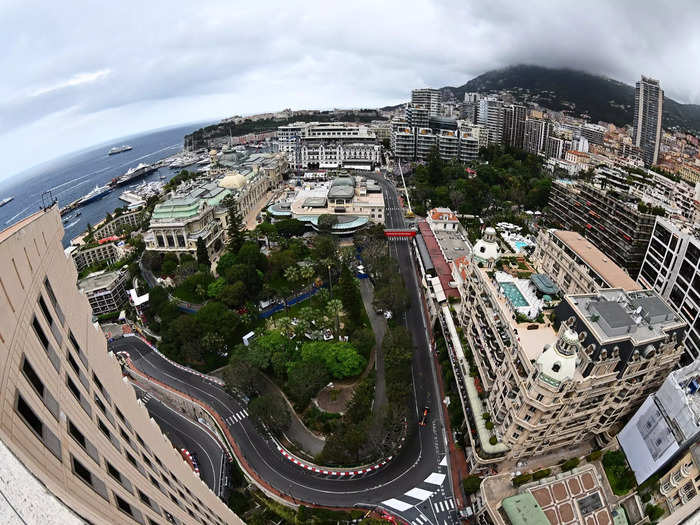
(672, 267)
(514, 125)
(491, 116)
(614, 225)
(428, 97)
(555, 148)
(648, 108)
(68, 416)
(418, 115)
(536, 135)
(426, 140)
(448, 144)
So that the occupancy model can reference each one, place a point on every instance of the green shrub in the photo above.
(471, 484)
(493, 440)
(595, 455)
(570, 464)
(541, 473)
(653, 511)
(486, 416)
(489, 425)
(522, 479)
(620, 477)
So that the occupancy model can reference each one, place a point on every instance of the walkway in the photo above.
(379, 328)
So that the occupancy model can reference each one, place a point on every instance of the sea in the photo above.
(76, 174)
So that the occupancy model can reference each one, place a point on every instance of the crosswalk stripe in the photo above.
(436, 507)
(436, 478)
(443, 463)
(419, 494)
(397, 504)
(451, 502)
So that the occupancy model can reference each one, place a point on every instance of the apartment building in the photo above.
(672, 267)
(549, 386)
(536, 135)
(468, 147)
(448, 144)
(114, 226)
(491, 116)
(426, 140)
(648, 110)
(514, 117)
(428, 98)
(106, 291)
(576, 266)
(610, 220)
(68, 416)
(681, 485)
(288, 142)
(418, 115)
(85, 256)
(403, 143)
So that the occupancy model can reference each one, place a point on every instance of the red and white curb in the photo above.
(188, 457)
(338, 473)
(178, 365)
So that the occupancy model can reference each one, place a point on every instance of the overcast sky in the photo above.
(76, 74)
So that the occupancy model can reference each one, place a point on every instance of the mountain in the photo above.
(578, 92)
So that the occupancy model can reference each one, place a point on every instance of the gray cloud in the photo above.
(176, 61)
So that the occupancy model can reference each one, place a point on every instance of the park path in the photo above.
(379, 328)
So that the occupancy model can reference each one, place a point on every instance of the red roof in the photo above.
(441, 267)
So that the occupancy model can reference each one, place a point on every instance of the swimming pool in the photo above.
(521, 244)
(510, 290)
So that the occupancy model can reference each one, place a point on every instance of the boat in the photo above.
(133, 174)
(97, 193)
(5, 201)
(119, 149)
(78, 213)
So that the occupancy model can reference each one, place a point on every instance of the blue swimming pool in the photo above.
(510, 290)
(520, 245)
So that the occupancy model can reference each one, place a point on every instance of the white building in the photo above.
(329, 145)
(106, 291)
(448, 144)
(672, 267)
(427, 97)
(491, 116)
(426, 140)
(666, 424)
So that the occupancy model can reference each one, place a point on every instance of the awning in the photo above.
(544, 284)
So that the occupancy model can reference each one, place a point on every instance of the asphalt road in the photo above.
(184, 433)
(415, 485)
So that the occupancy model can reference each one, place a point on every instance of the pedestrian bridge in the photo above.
(400, 232)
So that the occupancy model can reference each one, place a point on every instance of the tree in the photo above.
(157, 298)
(241, 376)
(305, 379)
(215, 288)
(290, 228)
(202, 253)
(326, 222)
(349, 294)
(233, 295)
(471, 484)
(341, 358)
(168, 267)
(236, 228)
(270, 412)
(654, 512)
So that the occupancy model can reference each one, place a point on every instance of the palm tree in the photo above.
(333, 309)
(291, 273)
(285, 326)
(306, 272)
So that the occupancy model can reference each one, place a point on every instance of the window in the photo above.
(76, 392)
(76, 434)
(82, 472)
(100, 404)
(540, 397)
(146, 460)
(131, 458)
(151, 522)
(40, 333)
(45, 310)
(33, 378)
(123, 505)
(30, 418)
(113, 472)
(144, 499)
(125, 435)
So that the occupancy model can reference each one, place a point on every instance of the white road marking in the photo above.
(397, 504)
(436, 478)
(419, 494)
(451, 503)
(443, 463)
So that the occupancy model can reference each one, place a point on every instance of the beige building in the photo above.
(546, 388)
(682, 483)
(130, 218)
(86, 255)
(575, 265)
(67, 415)
(106, 291)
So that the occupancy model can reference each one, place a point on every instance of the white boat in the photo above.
(5, 201)
(119, 149)
(97, 193)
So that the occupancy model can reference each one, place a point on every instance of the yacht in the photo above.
(5, 201)
(97, 193)
(119, 149)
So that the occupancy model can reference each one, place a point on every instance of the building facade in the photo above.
(132, 219)
(87, 256)
(612, 223)
(536, 135)
(514, 117)
(648, 109)
(68, 416)
(427, 97)
(681, 485)
(106, 291)
(546, 386)
(491, 116)
(672, 267)
(575, 265)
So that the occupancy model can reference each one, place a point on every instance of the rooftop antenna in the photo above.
(47, 200)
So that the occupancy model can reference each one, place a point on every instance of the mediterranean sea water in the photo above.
(75, 174)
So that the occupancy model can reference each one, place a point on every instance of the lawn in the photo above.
(619, 475)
